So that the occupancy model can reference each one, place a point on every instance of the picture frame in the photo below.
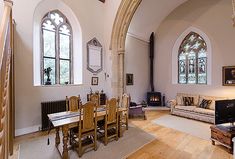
(94, 80)
(129, 79)
(228, 75)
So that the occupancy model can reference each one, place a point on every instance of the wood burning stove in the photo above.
(153, 98)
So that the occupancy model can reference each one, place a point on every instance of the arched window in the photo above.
(56, 49)
(192, 60)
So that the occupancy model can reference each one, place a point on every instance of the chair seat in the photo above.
(136, 110)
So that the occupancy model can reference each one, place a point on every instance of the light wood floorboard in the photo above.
(172, 144)
(169, 143)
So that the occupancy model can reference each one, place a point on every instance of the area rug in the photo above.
(132, 140)
(192, 127)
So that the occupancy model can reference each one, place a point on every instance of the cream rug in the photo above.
(132, 140)
(192, 127)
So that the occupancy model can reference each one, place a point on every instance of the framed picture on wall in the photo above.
(94, 80)
(129, 79)
(228, 76)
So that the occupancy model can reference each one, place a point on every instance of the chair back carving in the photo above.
(125, 101)
(72, 103)
(95, 98)
(89, 114)
(111, 110)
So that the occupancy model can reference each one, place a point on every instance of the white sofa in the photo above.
(194, 112)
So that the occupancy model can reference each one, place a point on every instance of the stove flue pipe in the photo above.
(151, 56)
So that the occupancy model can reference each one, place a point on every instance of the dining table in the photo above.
(70, 119)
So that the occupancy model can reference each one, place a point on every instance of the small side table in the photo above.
(222, 135)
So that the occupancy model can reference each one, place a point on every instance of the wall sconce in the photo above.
(106, 75)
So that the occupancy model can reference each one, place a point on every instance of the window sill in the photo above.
(59, 85)
(191, 84)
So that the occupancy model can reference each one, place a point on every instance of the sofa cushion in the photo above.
(186, 108)
(205, 103)
(212, 105)
(179, 98)
(204, 111)
(188, 101)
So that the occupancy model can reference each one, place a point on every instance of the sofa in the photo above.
(195, 110)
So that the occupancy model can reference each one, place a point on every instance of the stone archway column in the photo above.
(121, 85)
(121, 24)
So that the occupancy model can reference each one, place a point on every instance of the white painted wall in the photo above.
(150, 14)
(110, 11)
(28, 97)
(213, 17)
(137, 63)
(1, 9)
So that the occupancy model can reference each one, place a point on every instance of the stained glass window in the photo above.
(56, 49)
(192, 60)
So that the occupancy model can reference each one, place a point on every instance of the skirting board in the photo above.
(157, 108)
(27, 130)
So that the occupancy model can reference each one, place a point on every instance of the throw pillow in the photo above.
(188, 101)
(205, 103)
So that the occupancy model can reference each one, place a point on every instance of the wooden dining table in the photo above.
(68, 119)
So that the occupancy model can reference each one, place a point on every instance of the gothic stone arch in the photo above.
(122, 21)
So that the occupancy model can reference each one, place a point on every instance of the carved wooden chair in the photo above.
(111, 120)
(95, 98)
(87, 133)
(125, 103)
(72, 104)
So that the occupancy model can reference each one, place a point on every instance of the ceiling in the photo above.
(149, 15)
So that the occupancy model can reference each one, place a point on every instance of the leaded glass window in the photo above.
(192, 60)
(56, 42)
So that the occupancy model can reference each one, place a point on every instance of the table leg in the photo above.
(65, 129)
(120, 134)
(57, 137)
(213, 142)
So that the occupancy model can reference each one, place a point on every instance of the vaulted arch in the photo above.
(122, 21)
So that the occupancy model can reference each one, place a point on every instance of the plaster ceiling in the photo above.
(149, 15)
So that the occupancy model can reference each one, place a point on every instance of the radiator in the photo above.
(51, 107)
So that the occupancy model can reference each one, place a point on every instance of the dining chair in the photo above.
(87, 133)
(125, 104)
(72, 104)
(111, 120)
(95, 97)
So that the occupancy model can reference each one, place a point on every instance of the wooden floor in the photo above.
(172, 144)
(169, 143)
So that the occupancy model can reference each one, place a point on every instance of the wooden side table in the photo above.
(222, 135)
(102, 98)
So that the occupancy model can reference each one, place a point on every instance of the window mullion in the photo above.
(178, 70)
(197, 68)
(71, 60)
(57, 58)
(187, 69)
(42, 58)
